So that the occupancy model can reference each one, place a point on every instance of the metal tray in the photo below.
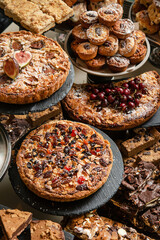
(5, 151)
(96, 200)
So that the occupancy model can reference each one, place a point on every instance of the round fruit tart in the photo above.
(115, 106)
(32, 67)
(64, 161)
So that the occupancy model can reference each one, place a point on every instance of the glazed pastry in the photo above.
(154, 14)
(123, 28)
(139, 55)
(127, 47)
(97, 34)
(88, 18)
(139, 36)
(118, 63)
(110, 47)
(110, 14)
(87, 51)
(145, 23)
(96, 63)
(79, 33)
(74, 45)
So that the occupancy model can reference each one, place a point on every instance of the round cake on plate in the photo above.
(32, 67)
(64, 161)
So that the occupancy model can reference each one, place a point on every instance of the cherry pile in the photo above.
(124, 98)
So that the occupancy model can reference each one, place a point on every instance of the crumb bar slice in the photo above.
(29, 15)
(13, 222)
(46, 229)
(143, 139)
(58, 9)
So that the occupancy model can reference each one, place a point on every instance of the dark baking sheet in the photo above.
(78, 207)
(5, 151)
(154, 121)
(25, 235)
(19, 109)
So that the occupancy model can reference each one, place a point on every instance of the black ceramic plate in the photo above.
(103, 195)
(19, 109)
(25, 235)
(5, 151)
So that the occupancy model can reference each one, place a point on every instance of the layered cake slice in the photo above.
(13, 222)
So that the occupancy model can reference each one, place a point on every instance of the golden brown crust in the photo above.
(70, 174)
(118, 63)
(86, 51)
(80, 108)
(33, 83)
(110, 47)
(123, 28)
(139, 54)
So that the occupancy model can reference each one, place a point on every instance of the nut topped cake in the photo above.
(115, 106)
(64, 161)
(32, 67)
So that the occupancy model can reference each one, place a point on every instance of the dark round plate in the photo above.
(99, 198)
(25, 235)
(19, 109)
(5, 151)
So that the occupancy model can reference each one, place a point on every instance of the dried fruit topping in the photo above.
(23, 58)
(16, 45)
(68, 168)
(11, 67)
(81, 180)
(74, 133)
(37, 44)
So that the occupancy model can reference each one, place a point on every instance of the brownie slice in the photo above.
(46, 229)
(13, 222)
(143, 139)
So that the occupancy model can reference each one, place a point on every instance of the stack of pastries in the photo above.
(104, 38)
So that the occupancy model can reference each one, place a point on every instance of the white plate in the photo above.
(155, 38)
(104, 72)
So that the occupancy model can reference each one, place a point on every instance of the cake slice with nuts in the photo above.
(13, 222)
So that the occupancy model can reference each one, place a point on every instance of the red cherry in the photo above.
(95, 90)
(129, 98)
(124, 98)
(141, 86)
(104, 102)
(120, 90)
(138, 95)
(131, 83)
(126, 85)
(81, 180)
(108, 91)
(93, 96)
(137, 80)
(136, 101)
(136, 86)
(123, 106)
(131, 105)
(89, 88)
(110, 99)
(127, 91)
(113, 91)
(101, 95)
(74, 133)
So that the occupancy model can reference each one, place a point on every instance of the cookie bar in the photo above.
(58, 9)
(29, 15)
(70, 2)
(46, 229)
(143, 139)
(13, 222)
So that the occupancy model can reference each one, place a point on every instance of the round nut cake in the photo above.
(64, 161)
(115, 106)
(40, 76)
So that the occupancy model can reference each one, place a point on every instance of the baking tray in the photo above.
(25, 235)
(56, 97)
(102, 72)
(96, 200)
(5, 151)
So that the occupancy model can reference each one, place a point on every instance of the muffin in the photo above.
(86, 51)
(127, 47)
(118, 63)
(97, 33)
(110, 47)
(139, 54)
(123, 28)
(88, 18)
(79, 33)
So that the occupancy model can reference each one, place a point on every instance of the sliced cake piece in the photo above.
(143, 139)
(46, 229)
(13, 222)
